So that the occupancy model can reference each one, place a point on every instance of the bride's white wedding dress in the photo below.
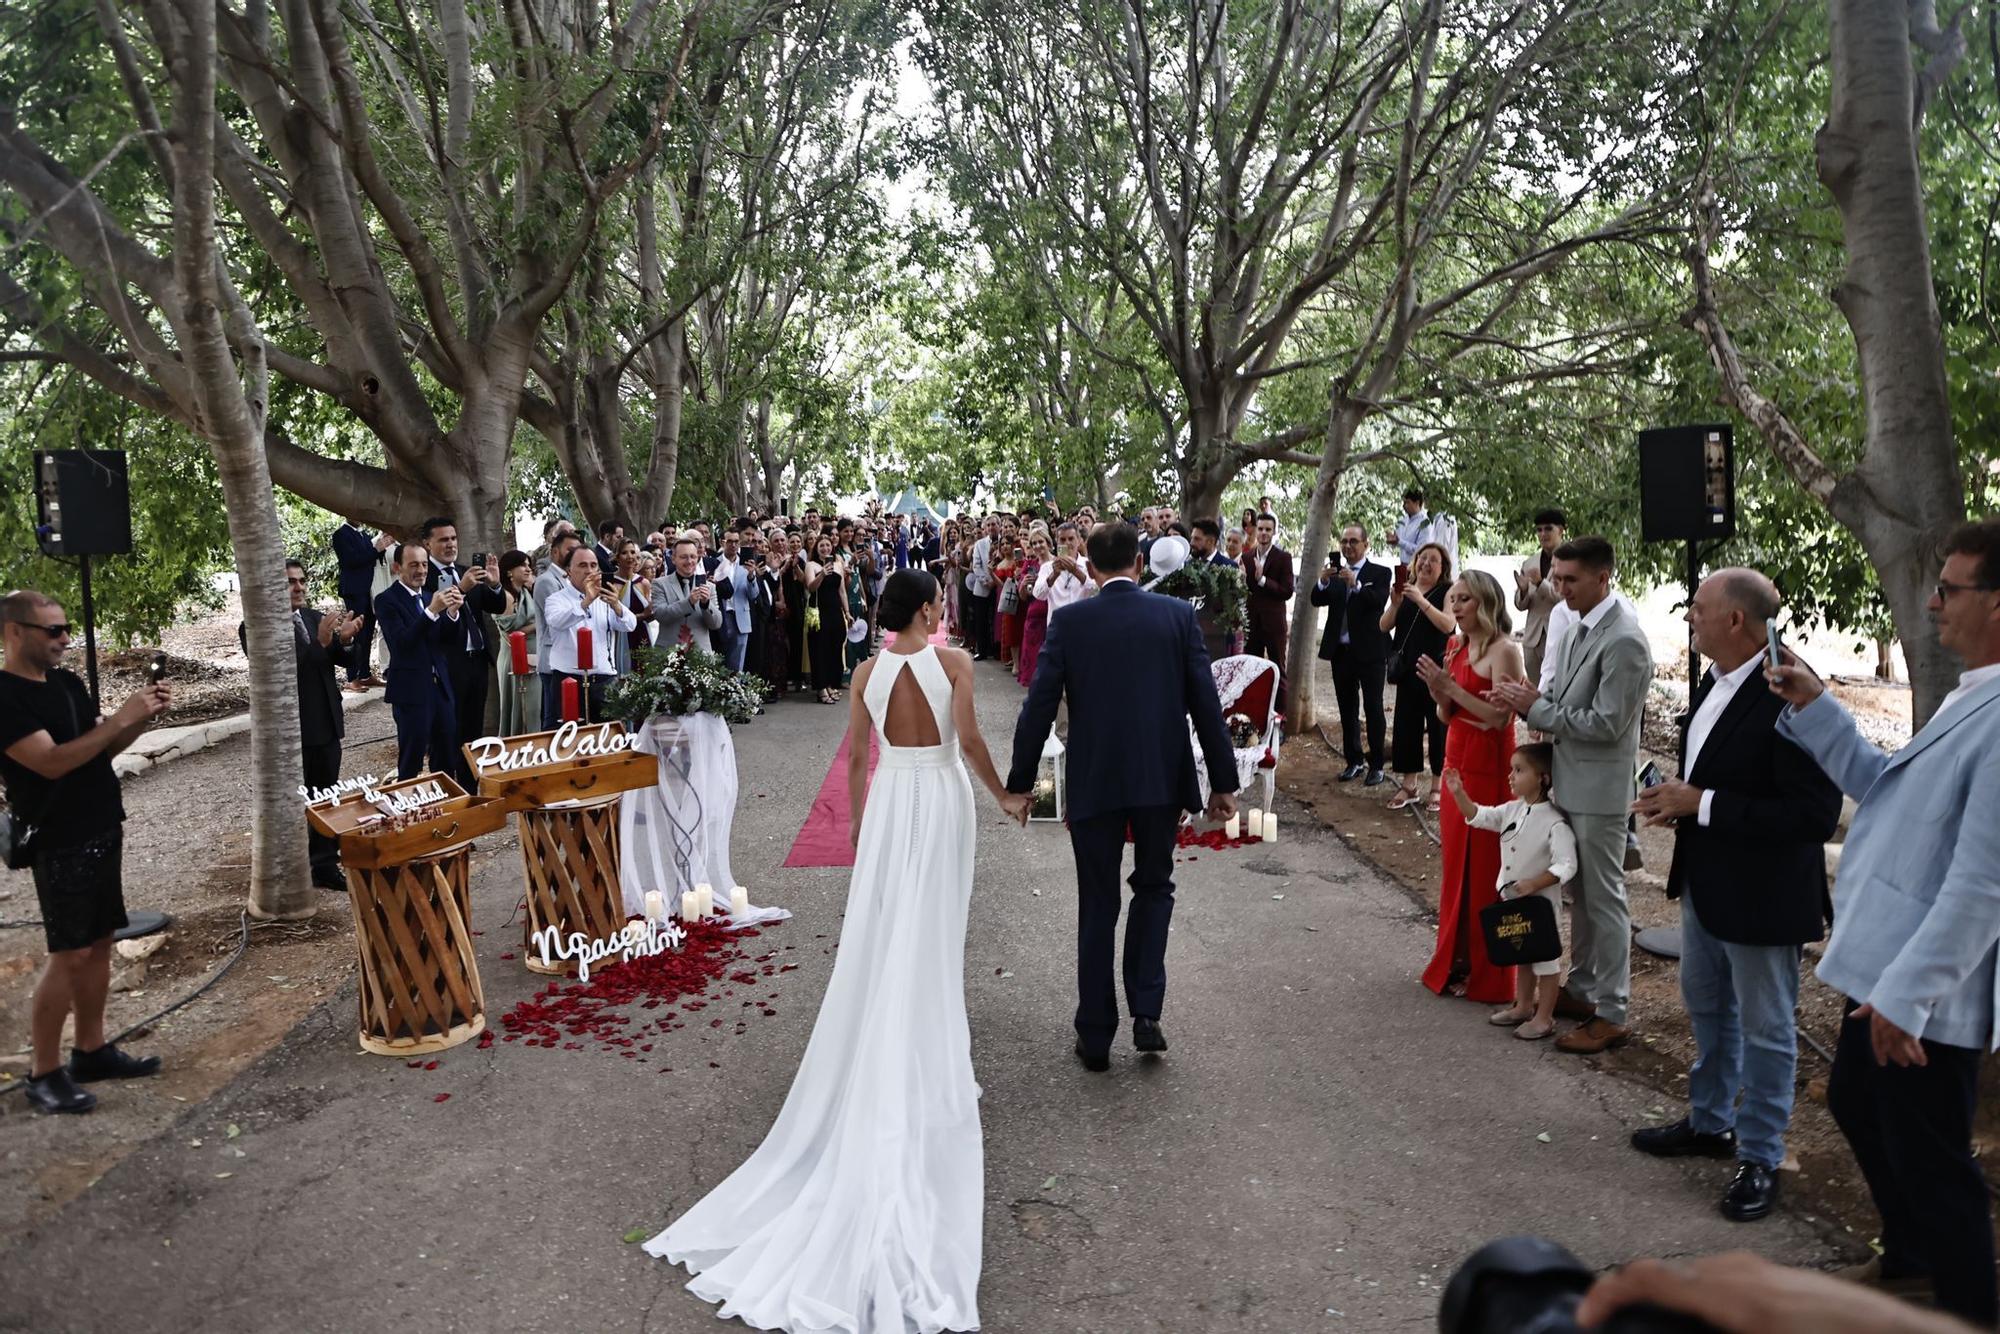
(861, 1210)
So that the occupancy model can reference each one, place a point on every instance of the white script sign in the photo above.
(569, 742)
(637, 940)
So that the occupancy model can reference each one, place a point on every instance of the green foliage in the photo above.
(1215, 589)
(682, 680)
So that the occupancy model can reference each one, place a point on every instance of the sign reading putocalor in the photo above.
(569, 742)
(635, 941)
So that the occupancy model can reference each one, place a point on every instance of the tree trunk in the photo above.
(1302, 648)
(1907, 493)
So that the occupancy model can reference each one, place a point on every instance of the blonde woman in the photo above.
(1479, 748)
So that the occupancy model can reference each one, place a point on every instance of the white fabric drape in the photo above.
(675, 834)
(1233, 676)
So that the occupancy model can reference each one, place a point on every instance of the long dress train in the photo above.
(1471, 856)
(861, 1211)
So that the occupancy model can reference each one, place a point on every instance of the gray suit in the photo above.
(1537, 600)
(1593, 716)
(675, 609)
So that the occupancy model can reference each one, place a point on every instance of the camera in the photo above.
(1527, 1285)
(157, 672)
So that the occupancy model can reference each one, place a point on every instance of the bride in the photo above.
(860, 1212)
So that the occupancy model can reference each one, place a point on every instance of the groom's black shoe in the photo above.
(1147, 1037)
(1350, 773)
(1096, 1062)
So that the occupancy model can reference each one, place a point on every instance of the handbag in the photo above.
(1010, 597)
(1392, 667)
(1522, 930)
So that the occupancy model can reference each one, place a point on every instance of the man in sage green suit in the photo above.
(1593, 713)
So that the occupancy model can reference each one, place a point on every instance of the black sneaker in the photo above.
(57, 1092)
(1682, 1140)
(107, 1062)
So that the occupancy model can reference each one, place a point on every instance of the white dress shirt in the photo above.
(567, 613)
(1412, 531)
(1967, 683)
(1703, 722)
(1065, 588)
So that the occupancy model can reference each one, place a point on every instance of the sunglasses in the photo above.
(60, 630)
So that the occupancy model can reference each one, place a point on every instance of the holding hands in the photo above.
(1016, 806)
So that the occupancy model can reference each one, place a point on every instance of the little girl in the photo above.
(1537, 854)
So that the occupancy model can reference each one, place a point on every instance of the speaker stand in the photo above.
(89, 634)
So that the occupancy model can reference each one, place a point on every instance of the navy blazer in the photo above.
(355, 550)
(417, 647)
(1135, 670)
(1360, 610)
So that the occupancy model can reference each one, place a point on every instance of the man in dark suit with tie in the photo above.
(1205, 540)
(1134, 669)
(321, 641)
(471, 662)
(1751, 813)
(421, 630)
(1354, 590)
(1267, 571)
(359, 554)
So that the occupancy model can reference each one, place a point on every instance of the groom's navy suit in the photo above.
(1135, 670)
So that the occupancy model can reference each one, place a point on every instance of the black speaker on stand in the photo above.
(83, 508)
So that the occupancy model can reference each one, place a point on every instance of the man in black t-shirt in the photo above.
(55, 758)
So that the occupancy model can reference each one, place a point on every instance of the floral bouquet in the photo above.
(679, 681)
(1217, 590)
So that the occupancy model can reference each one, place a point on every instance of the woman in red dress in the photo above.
(1479, 744)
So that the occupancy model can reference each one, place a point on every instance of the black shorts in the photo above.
(82, 890)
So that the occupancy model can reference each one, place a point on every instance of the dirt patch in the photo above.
(1402, 845)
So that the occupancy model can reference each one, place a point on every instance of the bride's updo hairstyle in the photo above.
(903, 595)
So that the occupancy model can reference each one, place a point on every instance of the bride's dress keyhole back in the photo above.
(861, 1210)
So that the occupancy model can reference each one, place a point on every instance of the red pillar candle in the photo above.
(517, 643)
(571, 712)
(585, 659)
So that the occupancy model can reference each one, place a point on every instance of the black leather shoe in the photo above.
(1352, 772)
(1096, 1062)
(1374, 779)
(1146, 1035)
(331, 881)
(107, 1062)
(1753, 1194)
(1682, 1140)
(57, 1092)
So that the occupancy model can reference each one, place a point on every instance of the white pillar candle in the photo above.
(1270, 826)
(656, 905)
(1251, 822)
(688, 901)
(704, 900)
(739, 902)
(1232, 827)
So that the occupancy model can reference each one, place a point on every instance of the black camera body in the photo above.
(1526, 1285)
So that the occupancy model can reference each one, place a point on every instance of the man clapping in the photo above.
(585, 602)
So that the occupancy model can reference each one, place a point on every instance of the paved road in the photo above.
(1322, 1146)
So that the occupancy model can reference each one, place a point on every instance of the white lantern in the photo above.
(1048, 797)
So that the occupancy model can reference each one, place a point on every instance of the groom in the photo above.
(1135, 670)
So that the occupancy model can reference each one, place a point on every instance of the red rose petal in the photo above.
(442, 1097)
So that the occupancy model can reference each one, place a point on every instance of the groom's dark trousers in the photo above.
(1134, 670)
(1099, 844)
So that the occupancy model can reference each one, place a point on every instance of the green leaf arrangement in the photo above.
(681, 680)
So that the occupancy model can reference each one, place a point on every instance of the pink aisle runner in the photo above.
(824, 839)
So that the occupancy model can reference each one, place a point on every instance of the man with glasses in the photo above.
(1354, 590)
(1535, 594)
(55, 757)
(321, 641)
(1916, 924)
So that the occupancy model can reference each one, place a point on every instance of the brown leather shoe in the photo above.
(1593, 1037)
(1569, 1007)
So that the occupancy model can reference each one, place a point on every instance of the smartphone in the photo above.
(1402, 576)
(478, 560)
(700, 579)
(1650, 775)
(158, 671)
(1774, 657)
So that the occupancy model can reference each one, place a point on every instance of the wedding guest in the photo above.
(547, 582)
(1247, 534)
(826, 638)
(1534, 594)
(766, 612)
(732, 583)
(321, 641)
(1267, 572)
(544, 554)
(684, 601)
(1205, 540)
(1593, 716)
(1355, 592)
(1232, 547)
(467, 649)
(609, 534)
(797, 573)
(1479, 745)
(55, 758)
(422, 633)
(520, 696)
(629, 582)
(1007, 596)
(1419, 625)
(1035, 596)
(1915, 924)
(1537, 854)
(1751, 815)
(861, 610)
(979, 591)
(1412, 530)
(359, 554)
(585, 600)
